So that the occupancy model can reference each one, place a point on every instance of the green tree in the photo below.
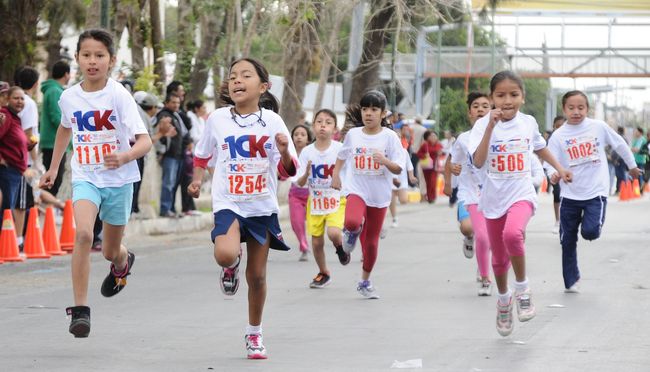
(535, 102)
(453, 111)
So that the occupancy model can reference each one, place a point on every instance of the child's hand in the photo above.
(565, 175)
(379, 157)
(413, 180)
(456, 169)
(336, 182)
(555, 178)
(495, 116)
(115, 160)
(194, 189)
(396, 182)
(308, 170)
(282, 143)
(635, 172)
(47, 180)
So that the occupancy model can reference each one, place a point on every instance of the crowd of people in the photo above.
(343, 181)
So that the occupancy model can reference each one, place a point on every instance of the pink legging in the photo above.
(298, 213)
(356, 212)
(507, 234)
(481, 241)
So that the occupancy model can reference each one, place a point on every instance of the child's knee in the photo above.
(590, 233)
(225, 258)
(256, 281)
(84, 237)
(514, 241)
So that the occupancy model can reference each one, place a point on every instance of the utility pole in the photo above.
(103, 15)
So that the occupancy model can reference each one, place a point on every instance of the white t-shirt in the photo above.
(246, 161)
(580, 148)
(403, 177)
(508, 166)
(324, 199)
(102, 122)
(198, 126)
(29, 120)
(469, 183)
(365, 178)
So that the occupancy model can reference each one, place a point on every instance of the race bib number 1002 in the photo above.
(247, 179)
(91, 147)
(582, 150)
(508, 160)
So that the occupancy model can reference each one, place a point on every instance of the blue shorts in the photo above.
(462, 212)
(113, 203)
(254, 227)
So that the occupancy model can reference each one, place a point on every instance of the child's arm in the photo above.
(480, 154)
(140, 148)
(194, 188)
(303, 179)
(447, 175)
(380, 158)
(287, 161)
(61, 142)
(546, 155)
(336, 174)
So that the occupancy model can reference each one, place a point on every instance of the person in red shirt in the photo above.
(428, 154)
(13, 148)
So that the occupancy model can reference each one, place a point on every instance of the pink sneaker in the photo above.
(504, 318)
(255, 347)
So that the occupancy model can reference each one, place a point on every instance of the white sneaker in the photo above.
(556, 228)
(395, 224)
(505, 322)
(468, 247)
(575, 288)
(304, 256)
(485, 288)
(382, 233)
(255, 347)
(350, 239)
(367, 290)
(525, 307)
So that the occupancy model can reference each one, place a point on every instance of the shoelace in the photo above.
(524, 301)
(254, 341)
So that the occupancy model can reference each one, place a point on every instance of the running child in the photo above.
(373, 153)
(252, 148)
(326, 206)
(298, 195)
(579, 145)
(101, 116)
(400, 187)
(502, 145)
(470, 218)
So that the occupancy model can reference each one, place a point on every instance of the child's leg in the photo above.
(466, 227)
(500, 259)
(112, 247)
(297, 215)
(85, 213)
(393, 204)
(370, 239)
(403, 196)
(317, 246)
(481, 241)
(593, 218)
(335, 235)
(256, 278)
(514, 232)
(227, 247)
(355, 213)
(570, 219)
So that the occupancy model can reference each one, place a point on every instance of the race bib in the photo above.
(365, 165)
(582, 150)
(247, 179)
(90, 148)
(508, 160)
(324, 201)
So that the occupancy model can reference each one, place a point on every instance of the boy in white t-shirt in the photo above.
(579, 145)
(101, 116)
(325, 206)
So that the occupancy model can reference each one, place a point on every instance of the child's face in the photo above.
(17, 101)
(244, 84)
(372, 116)
(479, 108)
(300, 138)
(508, 97)
(324, 126)
(575, 109)
(94, 60)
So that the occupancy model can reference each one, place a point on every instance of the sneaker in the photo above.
(367, 290)
(468, 247)
(350, 239)
(255, 347)
(115, 282)
(525, 307)
(395, 224)
(505, 322)
(575, 288)
(80, 320)
(556, 228)
(321, 280)
(97, 246)
(304, 256)
(382, 233)
(229, 279)
(344, 258)
(485, 288)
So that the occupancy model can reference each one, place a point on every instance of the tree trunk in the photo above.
(18, 30)
(230, 28)
(156, 41)
(93, 14)
(239, 29)
(121, 13)
(185, 43)
(55, 17)
(205, 55)
(331, 48)
(366, 75)
(134, 26)
(252, 26)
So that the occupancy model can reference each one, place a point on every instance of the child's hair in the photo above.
(60, 68)
(194, 105)
(506, 75)
(353, 117)
(558, 118)
(267, 100)
(26, 77)
(473, 96)
(100, 35)
(327, 112)
(310, 137)
(572, 93)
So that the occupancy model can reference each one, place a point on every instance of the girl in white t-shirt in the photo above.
(298, 195)
(101, 117)
(373, 154)
(400, 187)
(252, 148)
(502, 145)
(325, 206)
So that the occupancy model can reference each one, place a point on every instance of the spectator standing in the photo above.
(172, 155)
(619, 165)
(640, 151)
(13, 148)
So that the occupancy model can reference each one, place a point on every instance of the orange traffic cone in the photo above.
(8, 244)
(68, 228)
(440, 185)
(630, 190)
(646, 188)
(33, 238)
(623, 196)
(636, 189)
(50, 240)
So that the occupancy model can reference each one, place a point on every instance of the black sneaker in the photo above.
(320, 280)
(344, 258)
(80, 323)
(113, 283)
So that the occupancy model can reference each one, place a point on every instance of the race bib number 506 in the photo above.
(508, 160)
